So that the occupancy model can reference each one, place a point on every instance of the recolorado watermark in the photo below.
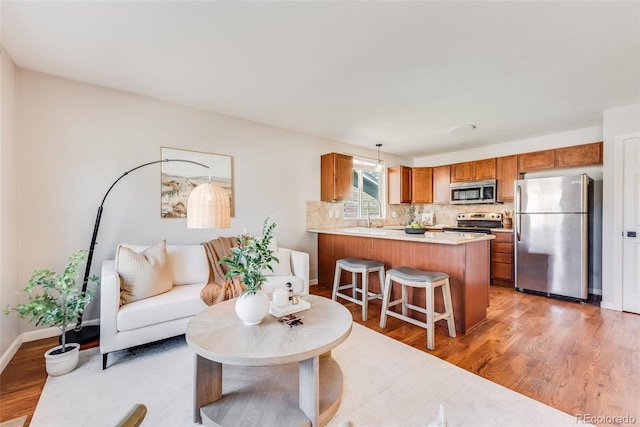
(605, 419)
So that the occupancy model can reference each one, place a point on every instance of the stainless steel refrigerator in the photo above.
(551, 235)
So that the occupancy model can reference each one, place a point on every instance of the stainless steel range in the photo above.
(476, 222)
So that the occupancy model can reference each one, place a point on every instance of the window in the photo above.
(367, 192)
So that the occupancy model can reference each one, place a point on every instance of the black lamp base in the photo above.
(84, 335)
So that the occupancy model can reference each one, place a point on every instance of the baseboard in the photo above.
(11, 351)
(40, 334)
(610, 306)
(313, 282)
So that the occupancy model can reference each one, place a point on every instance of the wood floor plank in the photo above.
(575, 357)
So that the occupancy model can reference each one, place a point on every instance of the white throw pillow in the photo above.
(283, 266)
(143, 274)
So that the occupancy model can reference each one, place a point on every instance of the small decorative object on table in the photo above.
(291, 320)
(248, 261)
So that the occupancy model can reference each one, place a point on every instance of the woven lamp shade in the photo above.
(208, 207)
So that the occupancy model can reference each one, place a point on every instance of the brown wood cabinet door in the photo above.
(461, 172)
(579, 155)
(484, 169)
(502, 260)
(398, 185)
(537, 160)
(422, 185)
(442, 184)
(506, 174)
(336, 175)
(502, 271)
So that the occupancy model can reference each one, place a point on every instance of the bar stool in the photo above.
(355, 266)
(429, 280)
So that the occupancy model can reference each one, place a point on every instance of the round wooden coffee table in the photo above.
(273, 374)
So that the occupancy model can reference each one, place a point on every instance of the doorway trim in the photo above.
(613, 280)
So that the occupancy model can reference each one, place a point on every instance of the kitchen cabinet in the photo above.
(502, 259)
(336, 175)
(422, 185)
(537, 160)
(579, 155)
(442, 185)
(476, 170)
(462, 172)
(399, 185)
(506, 174)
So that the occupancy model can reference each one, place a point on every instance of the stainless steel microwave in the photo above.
(463, 193)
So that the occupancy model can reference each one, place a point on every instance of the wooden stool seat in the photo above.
(357, 266)
(408, 276)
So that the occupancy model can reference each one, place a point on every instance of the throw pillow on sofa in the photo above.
(282, 267)
(143, 274)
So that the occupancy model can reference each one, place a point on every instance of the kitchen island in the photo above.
(465, 257)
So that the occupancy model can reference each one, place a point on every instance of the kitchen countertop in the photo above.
(391, 234)
(502, 230)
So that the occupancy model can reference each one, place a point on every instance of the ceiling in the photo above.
(397, 73)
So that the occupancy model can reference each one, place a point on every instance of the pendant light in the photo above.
(379, 165)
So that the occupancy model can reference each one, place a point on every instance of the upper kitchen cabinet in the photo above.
(565, 157)
(470, 171)
(442, 185)
(398, 185)
(506, 174)
(579, 155)
(537, 160)
(422, 185)
(336, 175)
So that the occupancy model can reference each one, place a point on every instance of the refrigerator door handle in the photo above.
(518, 210)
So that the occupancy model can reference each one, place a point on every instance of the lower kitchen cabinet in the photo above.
(502, 259)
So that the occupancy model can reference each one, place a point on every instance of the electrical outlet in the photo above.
(337, 213)
(330, 214)
(394, 214)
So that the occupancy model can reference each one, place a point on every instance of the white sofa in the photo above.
(166, 315)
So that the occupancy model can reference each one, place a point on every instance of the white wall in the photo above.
(9, 326)
(76, 139)
(617, 122)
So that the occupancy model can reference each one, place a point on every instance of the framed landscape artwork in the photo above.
(179, 178)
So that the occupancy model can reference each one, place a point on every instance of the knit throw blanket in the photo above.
(218, 288)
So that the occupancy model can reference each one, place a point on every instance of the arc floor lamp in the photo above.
(208, 207)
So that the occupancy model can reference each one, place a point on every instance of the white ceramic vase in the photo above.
(63, 363)
(252, 308)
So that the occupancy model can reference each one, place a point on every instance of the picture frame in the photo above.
(178, 178)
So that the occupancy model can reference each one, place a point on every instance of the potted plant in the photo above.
(59, 303)
(249, 261)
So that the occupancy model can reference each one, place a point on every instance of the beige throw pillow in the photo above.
(144, 274)
(282, 267)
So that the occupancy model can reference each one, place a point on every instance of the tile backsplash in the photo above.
(329, 215)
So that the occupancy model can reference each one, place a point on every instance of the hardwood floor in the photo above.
(575, 357)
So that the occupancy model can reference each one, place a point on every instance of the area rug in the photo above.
(386, 383)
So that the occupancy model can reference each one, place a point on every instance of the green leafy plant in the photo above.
(61, 301)
(251, 258)
(412, 213)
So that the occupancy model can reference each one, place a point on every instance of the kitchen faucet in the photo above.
(369, 210)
